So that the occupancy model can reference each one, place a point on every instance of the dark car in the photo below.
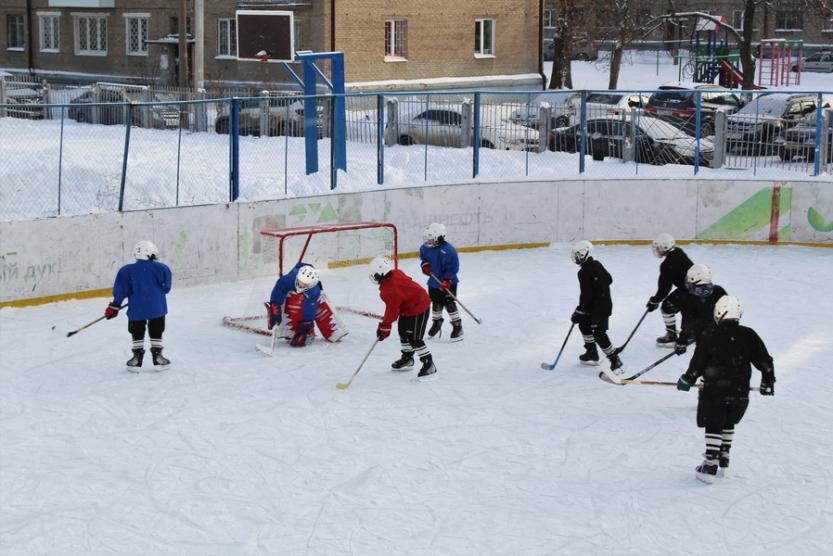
(754, 127)
(799, 142)
(156, 116)
(657, 141)
(676, 103)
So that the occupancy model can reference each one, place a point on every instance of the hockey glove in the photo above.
(652, 305)
(684, 383)
(445, 284)
(426, 269)
(768, 386)
(580, 317)
(383, 331)
(679, 348)
(273, 314)
(112, 311)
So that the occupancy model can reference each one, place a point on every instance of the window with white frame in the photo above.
(227, 38)
(49, 29)
(549, 19)
(136, 35)
(484, 37)
(789, 20)
(396, 39)
(298, 30)
(90, 35)
(15, 37)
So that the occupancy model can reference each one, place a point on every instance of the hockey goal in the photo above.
(323, 246)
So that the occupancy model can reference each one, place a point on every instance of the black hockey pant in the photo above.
(670, 307)
(155, 328)
(595, 332)
(718, 415)
(411, 332)
(441, 300)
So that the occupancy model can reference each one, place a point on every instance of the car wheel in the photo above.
(486, 144)
(562, 121)
(405, 140)
(81, 117)
(582, 57)
(783, 155)
(706, 129)
(221, 126)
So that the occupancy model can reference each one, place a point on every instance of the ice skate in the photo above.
(707, 471)
(723, 464)
(160, 362)
(456, 330)
(135, 362)
(404, 363)
(436, 325)
(590, 355)
(428, 370)
(668, 340)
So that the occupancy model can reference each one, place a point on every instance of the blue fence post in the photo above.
(179, 157)
(333, 141)
(380, 139)
(60, 158)
(476, 141)
(819, 133)
(697, 120)
(582, 149)
(128, 123)
(234, 154)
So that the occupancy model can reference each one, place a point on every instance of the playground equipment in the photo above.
(776, 62)
(713, 57)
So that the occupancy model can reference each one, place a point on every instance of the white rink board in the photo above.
(216, 243)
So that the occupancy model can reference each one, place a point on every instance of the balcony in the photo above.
(82, 3)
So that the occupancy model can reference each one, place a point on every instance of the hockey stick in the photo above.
(74, 332)
(547, 366)
(698, 386)
(270, 349)
(460, 303)
(608, 376)
(346, 385)
(621, 348)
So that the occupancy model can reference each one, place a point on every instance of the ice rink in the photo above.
(234, 453)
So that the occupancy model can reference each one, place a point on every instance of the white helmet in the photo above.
(380, 267)
(663, 244)
(698, 274)
(432, 233)
(727, 308)
(581, 251)
(306, 278)
(145, 251)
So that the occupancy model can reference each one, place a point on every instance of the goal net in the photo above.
(323, 246)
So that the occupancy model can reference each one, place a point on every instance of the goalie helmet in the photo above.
(697, 275)
(306, 278)
(433, 233)
(380, 267)
(727, 308)
(663, 244)
(145, 251)
(580, 251)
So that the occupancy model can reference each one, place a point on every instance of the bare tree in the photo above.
(564, 24)
(626, 28)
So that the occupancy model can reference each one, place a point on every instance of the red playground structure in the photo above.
(776, 63)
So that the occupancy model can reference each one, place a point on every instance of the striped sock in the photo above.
(726, 437)
(139, 344)
(406, 347)
(713, 442)
(670, 320)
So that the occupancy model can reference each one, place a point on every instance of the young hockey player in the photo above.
(722, 357)
(696, 305)
(672, 272)
(299, 296)
(406, 300)
(594, 307)
(145, 284)
(438, 257)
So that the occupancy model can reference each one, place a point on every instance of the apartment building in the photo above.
(389, 45)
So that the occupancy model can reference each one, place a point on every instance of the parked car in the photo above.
(613, 104)
(820, 61)
(157, 116)
(582, 50)
(442, 125)
(799, 142)
(657, 141)
(285, 116)
(754, 127)
(564, 104)
(676, 103)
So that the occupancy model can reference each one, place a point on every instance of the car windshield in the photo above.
(554, 98)
(771, 105)
(604, 98)
(675, 96)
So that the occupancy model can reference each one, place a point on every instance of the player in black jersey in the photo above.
(672, 272)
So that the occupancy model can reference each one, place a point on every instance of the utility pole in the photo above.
(199, 44)
(183, 43)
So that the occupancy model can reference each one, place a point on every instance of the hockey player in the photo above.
(299, 296)
(594, 307)
(407, 301)
(438, 257)
(145, 284)
(696, 305)
(672, 272)
(723, 357)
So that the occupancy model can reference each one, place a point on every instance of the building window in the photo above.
(788, 21)
(549, 19)
(136, 26)
(15, 38)
(298, 30)
(396, 39)
(227, 38)
(484, 37)
(50, 34)
(91, 35)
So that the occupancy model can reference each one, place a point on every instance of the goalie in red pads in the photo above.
(406, 301)
(298, 296)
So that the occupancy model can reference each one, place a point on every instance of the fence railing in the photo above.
(92, 156)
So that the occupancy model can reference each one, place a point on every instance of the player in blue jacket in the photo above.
(439, 258)
(299, 296)
(144, 284)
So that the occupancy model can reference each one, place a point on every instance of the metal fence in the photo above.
(90, 155)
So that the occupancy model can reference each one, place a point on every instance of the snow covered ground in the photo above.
(234, 453)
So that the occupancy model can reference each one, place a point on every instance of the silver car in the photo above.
(820, 62)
